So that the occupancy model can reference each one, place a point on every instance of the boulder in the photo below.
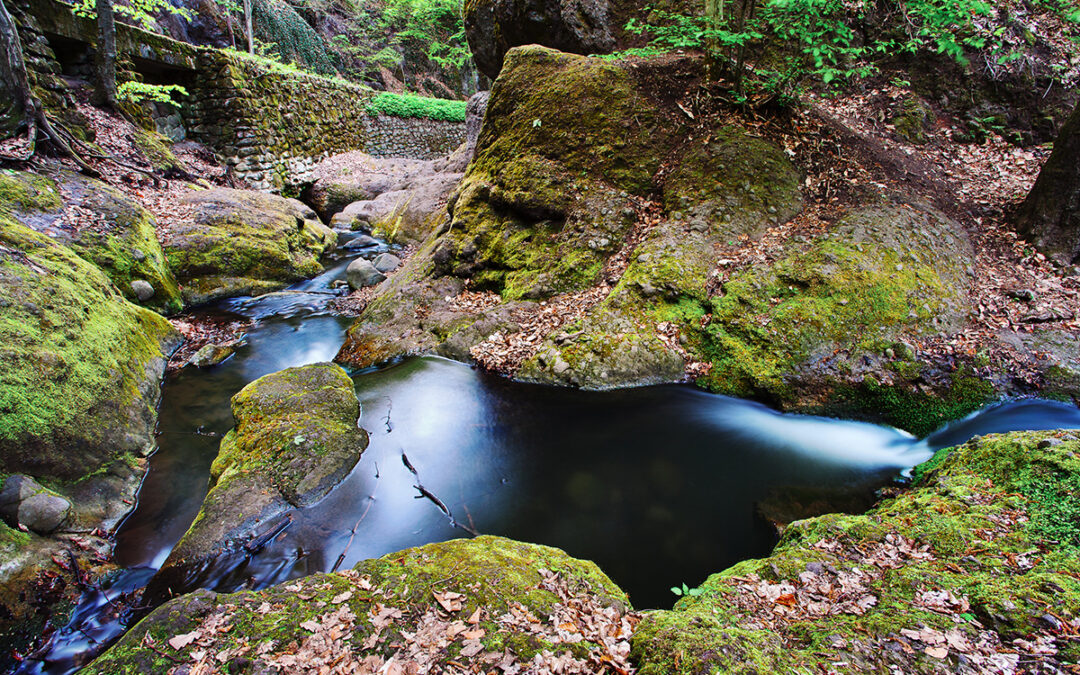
(362, 273)
(406, 214)
(355, 176)
(567, 144)
(493, 27)
(100, 224)
(24, 502)
(462, 604)
(79, 365)
(142, 289)
(361, 241)
(386, 262)
(917, 585)
(240, 242)
(296, 437)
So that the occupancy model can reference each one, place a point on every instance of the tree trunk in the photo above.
(105, 58)
(1050, 216)
(247, 27)
(22, 106)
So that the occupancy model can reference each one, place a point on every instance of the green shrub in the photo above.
(411, 105)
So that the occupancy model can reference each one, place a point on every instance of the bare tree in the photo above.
(247, 27)
(105, 58)
(26, 109)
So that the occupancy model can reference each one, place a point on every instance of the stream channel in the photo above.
(658, 485)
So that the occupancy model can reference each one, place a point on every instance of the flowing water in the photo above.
(659, 485)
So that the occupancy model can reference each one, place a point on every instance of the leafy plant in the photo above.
(138, 92)
(686, 591)
(139, 12)
(411, 105)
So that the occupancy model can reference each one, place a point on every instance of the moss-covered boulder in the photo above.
(567, 143)
(240, 242)
(79, 364)
(407, 214)
(296, 437)
(973, 570)
(489, 603)
(99, 223)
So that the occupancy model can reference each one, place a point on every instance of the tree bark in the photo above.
(1050, 216)
(105, 57)
(247, 27)
(23, 107)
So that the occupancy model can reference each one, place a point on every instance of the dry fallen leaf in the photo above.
(181, 641)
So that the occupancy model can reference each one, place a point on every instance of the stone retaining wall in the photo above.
(412, 137)
(273, 126)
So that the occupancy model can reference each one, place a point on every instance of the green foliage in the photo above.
(776, 46)
(138, 92)
(289, 38)
(411, 105)
(139, 12)
(1055, 504)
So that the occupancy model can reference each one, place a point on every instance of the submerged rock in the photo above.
(211, 355)
(477, 602)
(240, 242)
(952, 575)
(296, 437)
(101, 225)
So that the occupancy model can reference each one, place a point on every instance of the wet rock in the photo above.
(296, 437)
(24, 502)
(142, 289)
(362, 273)
(493, 27)
(240, 242)
(211, 355)
(361, 241)
(386, 262)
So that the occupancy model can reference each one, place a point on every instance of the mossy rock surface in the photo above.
(241, 242)
(567, 142)
(495, 578)
(296, 437)
(100, 224)
(945, 577)
(79, 364)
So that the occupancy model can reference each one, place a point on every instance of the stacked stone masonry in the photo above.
(272, 126)
(412, 137)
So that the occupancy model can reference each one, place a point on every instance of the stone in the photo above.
(494, 27)
(143, 289)
(211, 355)
(361, 273)
(24, 502)
(241, 242)
(495, 576)
(296, 436)
(386, 262)
(361, 241)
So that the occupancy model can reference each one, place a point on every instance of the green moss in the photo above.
(491, 572)
(996, 518)
(27, 192)
(73, 357)
(155, 148)
(412, 105)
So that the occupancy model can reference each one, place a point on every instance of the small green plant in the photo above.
(139, 92)
(686, 591)
(411, 105)
(139, 12)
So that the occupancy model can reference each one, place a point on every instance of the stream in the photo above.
(659, 486)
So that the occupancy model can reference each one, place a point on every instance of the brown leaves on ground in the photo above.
(200, 330)
(366, 630)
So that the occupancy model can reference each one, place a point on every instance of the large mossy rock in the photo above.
(296, 437)
(493, 27)
(973, 570)
(407, 214)
(79, 365)
(100, 224)
(567, 143)
(434, 608)
(240, 242)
